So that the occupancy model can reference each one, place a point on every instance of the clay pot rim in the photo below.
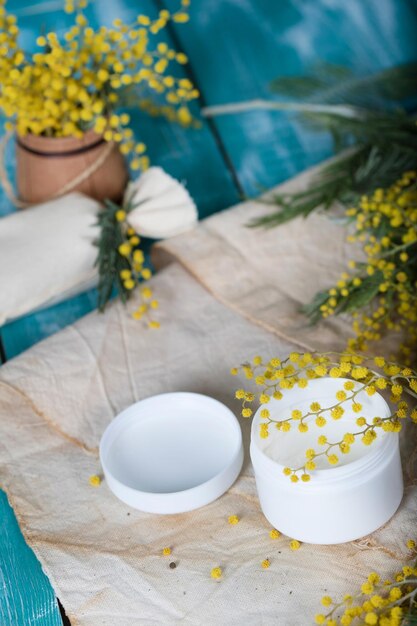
(58, 144)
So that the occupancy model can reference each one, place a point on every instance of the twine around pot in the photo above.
(70, 186)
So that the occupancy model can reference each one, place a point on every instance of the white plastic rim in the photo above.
(172, 453)
(340, 503)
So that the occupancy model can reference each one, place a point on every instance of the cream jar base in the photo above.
(340, 503)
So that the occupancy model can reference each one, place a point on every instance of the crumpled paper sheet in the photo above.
(103, 558)
(267, 275)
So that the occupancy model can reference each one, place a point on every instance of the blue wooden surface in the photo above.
(26, 597)
(236, 48)
(244, 45)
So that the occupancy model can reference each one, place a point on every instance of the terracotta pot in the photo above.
(45, 164)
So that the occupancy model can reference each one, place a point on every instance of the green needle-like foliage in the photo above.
(109, 262)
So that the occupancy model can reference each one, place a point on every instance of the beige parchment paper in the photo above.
(231, 293)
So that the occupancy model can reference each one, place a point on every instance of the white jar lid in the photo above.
(172, 453)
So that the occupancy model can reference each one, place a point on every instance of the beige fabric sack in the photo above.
(47, 254)
(104, 559)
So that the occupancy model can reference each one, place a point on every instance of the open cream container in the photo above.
(341, 502)
(172, 453)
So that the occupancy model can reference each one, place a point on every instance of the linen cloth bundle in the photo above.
(50, 247)
(232, 293)
(46, 254)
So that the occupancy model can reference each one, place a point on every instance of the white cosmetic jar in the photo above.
(172, 453)
(341, 502)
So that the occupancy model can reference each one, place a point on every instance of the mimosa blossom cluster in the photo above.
(358, 375)
(381, 292)
(121, 262)
(135, 272)
(391, 602)
(78, 83)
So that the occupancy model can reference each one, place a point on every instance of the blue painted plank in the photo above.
(26, 597)
(237, 48)
(20, 334)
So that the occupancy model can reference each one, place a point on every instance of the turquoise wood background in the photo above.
(236, 48)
